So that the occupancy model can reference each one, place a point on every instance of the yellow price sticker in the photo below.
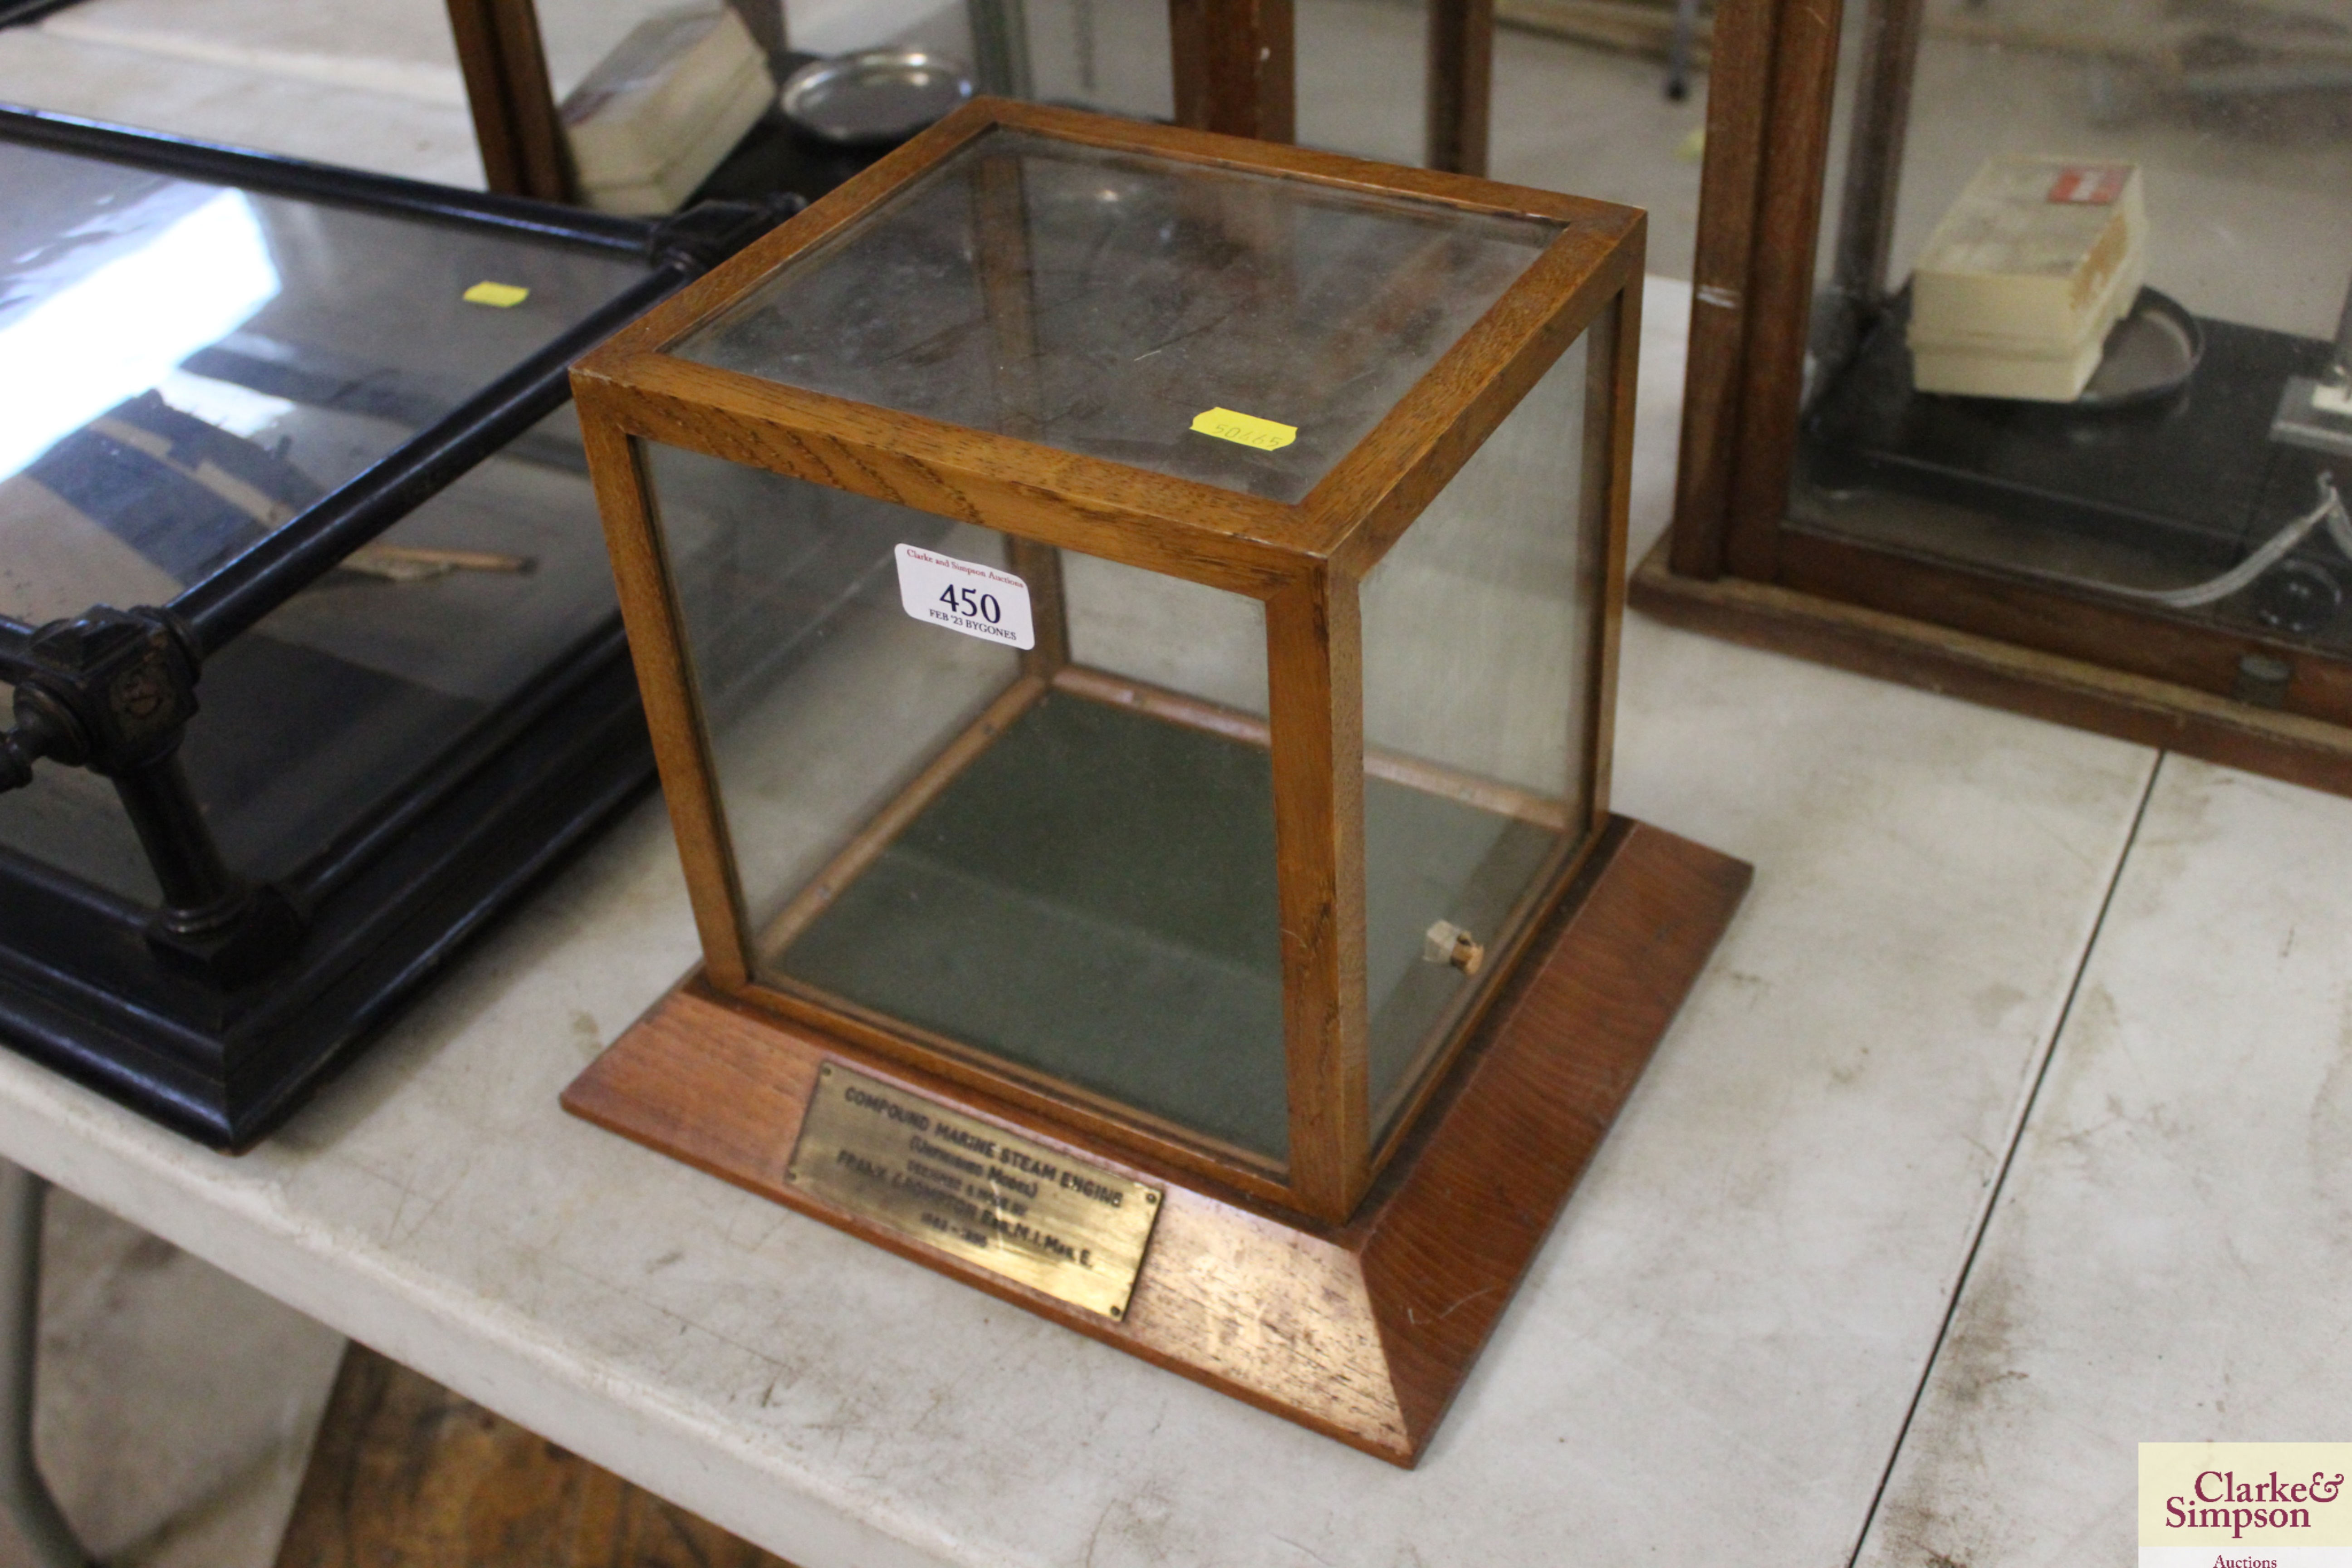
(503, 295)
(1245, 429)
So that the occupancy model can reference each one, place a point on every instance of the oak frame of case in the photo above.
(1304, 561)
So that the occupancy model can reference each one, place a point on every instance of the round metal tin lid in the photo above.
(875, 95)
(2149, 355)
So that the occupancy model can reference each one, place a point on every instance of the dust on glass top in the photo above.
(1098, 301)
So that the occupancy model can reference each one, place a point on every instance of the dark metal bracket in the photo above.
(708, 233)
(112, 691)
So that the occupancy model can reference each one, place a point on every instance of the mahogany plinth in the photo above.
(2304, 750)
(1362, 1331)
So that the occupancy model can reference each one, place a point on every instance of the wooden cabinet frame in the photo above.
(1233, 61)
(1733, 565)
(516, 125)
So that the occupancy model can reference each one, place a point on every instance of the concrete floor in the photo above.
(177, 1406)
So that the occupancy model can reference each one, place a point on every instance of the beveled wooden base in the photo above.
(2303, 750)
(1362, 1331)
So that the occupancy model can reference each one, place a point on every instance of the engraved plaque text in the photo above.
(906, 1163)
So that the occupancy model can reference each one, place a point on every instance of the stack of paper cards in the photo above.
(2020, 282)
(665, 108)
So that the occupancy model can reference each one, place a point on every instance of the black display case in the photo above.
(305, 618)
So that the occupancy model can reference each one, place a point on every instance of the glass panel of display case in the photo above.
(1166, 633)
(2115, 349)
(339, 698)
(184, 367)
(1360, 72)
(1363, 78)
(789, 605)
(1139, 295)
(1075, 876)
(189, 367)
(1111, 54)
(1479, 635)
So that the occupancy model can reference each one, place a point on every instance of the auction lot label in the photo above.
(2244, 1505)
(965, 596)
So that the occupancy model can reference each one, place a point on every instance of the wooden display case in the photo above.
(2162, 555)
(1128, 619)
(1231, 64)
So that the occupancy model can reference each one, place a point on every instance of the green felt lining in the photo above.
(1093, 897)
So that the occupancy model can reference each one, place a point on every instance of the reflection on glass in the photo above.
(184, 368)
(345, 693)
(1107, 55)
(1478, 687)
(2023, 402)
(1099, 302)
(73, 346)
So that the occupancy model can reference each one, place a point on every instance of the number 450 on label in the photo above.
(965, 596)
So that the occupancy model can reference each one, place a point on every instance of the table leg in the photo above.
(24, 1496)
(1678, 53)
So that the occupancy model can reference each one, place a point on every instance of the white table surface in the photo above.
(1713, 1357)
(2172, 1254)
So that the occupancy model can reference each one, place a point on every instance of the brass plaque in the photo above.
(910, 1164)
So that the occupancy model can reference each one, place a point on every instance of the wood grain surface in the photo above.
(1460, 85)
(1199, 531)
(407, 1475)
(515, 120)
(673, 701)
(1223, 538)
(845, 205)
(1780, 286)
(2070, 623)
(1235, 67)
(1614, 355)
(2001, 674)
(1315, 679)
(1362, 1330)
(1722, 304)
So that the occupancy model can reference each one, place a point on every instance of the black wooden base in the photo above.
(82, 991)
